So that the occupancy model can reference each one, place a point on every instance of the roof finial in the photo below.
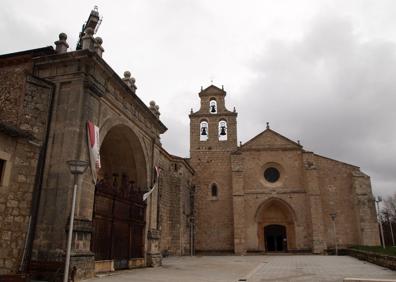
(298, 142)
(268, 127)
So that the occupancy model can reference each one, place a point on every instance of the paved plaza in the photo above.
(253, 269)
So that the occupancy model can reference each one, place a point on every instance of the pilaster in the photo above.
(238, 204)
(315, 204)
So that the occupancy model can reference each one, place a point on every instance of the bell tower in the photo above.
(213, 127)
(213, 137)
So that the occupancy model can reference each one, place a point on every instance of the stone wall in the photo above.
(379, 259)
(25, 102)
(350, 197)
(176, 208)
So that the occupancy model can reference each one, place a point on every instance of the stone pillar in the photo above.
(365, 210)
(154, 257)
(153, 251)
(238, 205)
(315, 204)
(61, 44)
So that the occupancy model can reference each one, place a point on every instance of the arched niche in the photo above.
(121, 153)
(119, 210)
(275, 212)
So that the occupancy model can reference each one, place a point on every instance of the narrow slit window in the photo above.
(214, 191)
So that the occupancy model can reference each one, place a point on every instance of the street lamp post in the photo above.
(377, 201)
(76, 168)
(333, 218)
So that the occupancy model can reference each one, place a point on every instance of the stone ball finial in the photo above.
(157, 107)
(133, 80)
(62, 36)
(99, 40)
(89, 31)
(152, 104)
(127, 74)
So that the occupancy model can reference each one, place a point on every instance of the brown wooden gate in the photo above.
(118, 223)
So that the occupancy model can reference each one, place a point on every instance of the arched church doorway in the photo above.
(275, 238)
(118, 218)
(275, 226)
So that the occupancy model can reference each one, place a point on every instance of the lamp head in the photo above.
(77, 166)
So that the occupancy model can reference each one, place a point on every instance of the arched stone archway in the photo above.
(119, 210)
(275, 222)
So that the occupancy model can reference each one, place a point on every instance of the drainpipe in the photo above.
(36, 195)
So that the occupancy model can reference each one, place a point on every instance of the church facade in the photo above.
(267, 195)
(270, 194)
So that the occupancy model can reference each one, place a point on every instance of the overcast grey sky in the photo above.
(322, 72)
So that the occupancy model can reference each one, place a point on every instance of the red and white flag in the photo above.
(157, 174)
(94, 147)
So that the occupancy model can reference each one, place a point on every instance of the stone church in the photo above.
(270, 194)
(267, 195)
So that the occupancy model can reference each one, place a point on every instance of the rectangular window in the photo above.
(2, 168)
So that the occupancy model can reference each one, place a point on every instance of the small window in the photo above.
(214, 191)
(271, 174)
(203, 131)
(213, 106)
(222, 130)
(2, 168)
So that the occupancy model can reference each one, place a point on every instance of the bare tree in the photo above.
(388, 218)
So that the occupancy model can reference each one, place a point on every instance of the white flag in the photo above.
(146, 195)
(94, 147)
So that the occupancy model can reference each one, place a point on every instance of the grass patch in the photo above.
(390, 251)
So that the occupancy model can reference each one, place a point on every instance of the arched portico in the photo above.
(119, 210)
(275, 226)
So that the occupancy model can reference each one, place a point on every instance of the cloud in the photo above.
(331, 90)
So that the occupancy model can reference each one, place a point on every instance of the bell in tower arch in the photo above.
(203, 132)
(212, 108)
(223, 130)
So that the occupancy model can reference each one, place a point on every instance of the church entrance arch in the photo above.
(119, 210)
(276, 226)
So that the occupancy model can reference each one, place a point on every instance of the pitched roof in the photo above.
(270, 139)
(212, 89)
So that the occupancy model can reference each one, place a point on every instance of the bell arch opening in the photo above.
(119, 210)
(275, 226)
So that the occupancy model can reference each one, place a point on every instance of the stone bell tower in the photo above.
(213, 137)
